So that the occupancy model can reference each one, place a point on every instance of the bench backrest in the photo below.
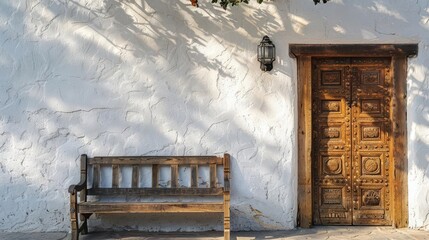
(155, 162)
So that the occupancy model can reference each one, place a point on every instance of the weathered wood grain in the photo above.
(135, 179)
(352, 50)
(213, 175)
(174, 176)
(398, 53)
(129, 207)
(85, 209)
(155, 171)
(304, 142)
(399, 143)
(160, 160)
(194, 175)
(115, 175)
(155, 191)
(96, 176)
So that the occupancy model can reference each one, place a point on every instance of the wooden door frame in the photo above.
(399, 54)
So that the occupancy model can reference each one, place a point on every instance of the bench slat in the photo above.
(136, 176)
(162, 160)
(212, 175)
(128, 207)
(115, 176)
(194, 176)
(155, 175)
(174, 176)
(96, 180)
(156, 191)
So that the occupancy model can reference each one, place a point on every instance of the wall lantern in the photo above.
(266, 54)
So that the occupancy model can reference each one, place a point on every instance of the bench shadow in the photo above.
(199, 235)
(317, 232)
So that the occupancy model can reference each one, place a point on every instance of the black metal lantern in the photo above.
(266, 54)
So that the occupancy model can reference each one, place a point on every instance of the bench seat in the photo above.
(152, 207)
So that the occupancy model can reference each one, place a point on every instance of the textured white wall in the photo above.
(161, 77)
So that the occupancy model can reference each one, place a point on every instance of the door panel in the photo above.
(332, 130)
(371, 148)
(351, 144)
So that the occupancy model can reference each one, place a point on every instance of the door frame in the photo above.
(399, 54)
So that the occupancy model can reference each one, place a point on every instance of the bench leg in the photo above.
(74, 235)
(85, 227)
(226, 217)
(73, 217)
(74, 227)
(84, 220)
(226, 232)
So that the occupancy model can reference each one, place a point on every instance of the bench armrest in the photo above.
(82, 184)
(78, 187)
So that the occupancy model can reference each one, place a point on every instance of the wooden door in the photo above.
(351, 156)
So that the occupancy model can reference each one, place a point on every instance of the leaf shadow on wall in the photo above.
(112, 85)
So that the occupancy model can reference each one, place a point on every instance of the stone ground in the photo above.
(318, 233)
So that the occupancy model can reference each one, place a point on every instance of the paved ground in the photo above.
(318, 233)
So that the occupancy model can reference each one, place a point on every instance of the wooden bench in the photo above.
(84, 209)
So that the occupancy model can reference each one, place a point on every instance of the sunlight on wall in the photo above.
(110, 77)
(380, 8)
(298, 23)
(418, 140)
(339, 29)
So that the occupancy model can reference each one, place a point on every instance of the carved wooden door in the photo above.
(351, 141)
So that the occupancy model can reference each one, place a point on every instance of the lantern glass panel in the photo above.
(262, 52)
(270, 51)
(267, 53)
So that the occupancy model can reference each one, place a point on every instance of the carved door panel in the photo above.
(351, 124)
(371, 141)
(332, 142)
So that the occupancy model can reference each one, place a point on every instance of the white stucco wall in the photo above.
(162, 77)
